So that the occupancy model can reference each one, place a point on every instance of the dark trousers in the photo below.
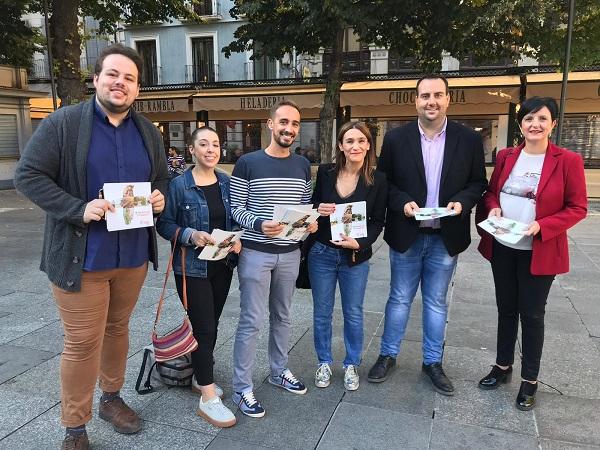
(519, 294)
(206, 299)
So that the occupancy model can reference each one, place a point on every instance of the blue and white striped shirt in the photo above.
(260, 181)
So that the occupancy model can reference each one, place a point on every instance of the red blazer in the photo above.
(561, 202)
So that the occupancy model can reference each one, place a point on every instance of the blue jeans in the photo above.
(326, 267)
(427, 262)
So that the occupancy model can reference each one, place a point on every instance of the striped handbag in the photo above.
(180, 340)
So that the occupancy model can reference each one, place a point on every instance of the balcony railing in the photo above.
(397, 64)
(39, 68)
(201, 73)
(468, 62)
(357, 63)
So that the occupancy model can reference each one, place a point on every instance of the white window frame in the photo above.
(156, 39)
(188, 48)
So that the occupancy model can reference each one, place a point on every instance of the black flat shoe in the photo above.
(526, 397)
(495, 378)
(381, 369)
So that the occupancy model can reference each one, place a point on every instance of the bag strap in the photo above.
(167, 273)
(147, 385)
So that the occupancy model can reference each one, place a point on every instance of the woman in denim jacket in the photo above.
(197, 203)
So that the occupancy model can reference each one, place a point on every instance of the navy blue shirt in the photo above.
(116, 155)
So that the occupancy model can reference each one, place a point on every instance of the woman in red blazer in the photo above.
(542, 185)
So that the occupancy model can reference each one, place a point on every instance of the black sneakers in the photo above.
(381, 369)
(441, 383)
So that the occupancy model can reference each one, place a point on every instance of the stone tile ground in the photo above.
(402, 413)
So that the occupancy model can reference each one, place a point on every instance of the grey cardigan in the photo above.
(52, 172)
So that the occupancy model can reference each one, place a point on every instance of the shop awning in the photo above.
(253, 99)
(163, 102)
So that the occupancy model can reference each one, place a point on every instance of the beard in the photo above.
(281, 143)
(111, 107)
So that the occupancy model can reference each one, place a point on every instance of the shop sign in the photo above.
(259, 102)
(408, 97)
(161, 106)
(255, 102)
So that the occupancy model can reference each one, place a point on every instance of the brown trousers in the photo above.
(96, 327)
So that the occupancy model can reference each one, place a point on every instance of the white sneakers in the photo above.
(323, 377)
(351, 378)
(216, 413)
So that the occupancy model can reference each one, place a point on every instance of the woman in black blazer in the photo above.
(352, 178)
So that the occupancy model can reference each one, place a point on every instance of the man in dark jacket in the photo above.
(432, 162)
(96, 275)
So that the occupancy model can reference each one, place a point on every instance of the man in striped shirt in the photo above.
(268, 266)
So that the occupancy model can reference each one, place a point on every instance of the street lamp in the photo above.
(563, 91)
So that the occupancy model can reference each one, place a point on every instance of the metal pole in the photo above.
(50, 59)
(565, 80)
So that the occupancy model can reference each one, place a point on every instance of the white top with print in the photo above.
(517, 198)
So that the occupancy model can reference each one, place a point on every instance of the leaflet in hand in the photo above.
(295, 221)
(349, 219)
(280, 210)
(433, 213)
(503, 229)
(224, 240)
(132, 205)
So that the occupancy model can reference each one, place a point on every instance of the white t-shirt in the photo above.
(517, 197)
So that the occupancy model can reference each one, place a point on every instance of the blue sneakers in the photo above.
(248, 404)
(288, 382)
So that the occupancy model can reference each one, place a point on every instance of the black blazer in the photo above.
(375, 196)
(463, 180)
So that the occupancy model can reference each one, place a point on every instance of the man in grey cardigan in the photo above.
(96, 275)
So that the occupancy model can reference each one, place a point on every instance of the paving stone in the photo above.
(465, 325)
(221, 443)
(489, 409)
(375, 428)
(18, 410)
(14, 326)
(570, 419)
(15, 360)
(561, 445)
(449, 436)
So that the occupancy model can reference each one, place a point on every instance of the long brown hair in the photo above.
(368, 167)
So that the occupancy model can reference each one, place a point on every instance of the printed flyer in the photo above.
(132, 205)
(224, 240)
(433, 213)
(503, 229)
(295, 222)
(349, 219)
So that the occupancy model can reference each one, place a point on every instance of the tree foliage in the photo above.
(66, 38)
(18, 41)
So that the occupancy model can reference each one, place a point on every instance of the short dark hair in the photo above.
(432, 76)
(200, 129)
(534, 104)
(281, 103)
(120, 49)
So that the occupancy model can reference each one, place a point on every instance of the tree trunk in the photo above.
(331, 101)
(66, 48)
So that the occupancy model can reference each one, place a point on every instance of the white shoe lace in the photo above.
(289, 376)
(350, 375)
(323, 372)
(249, 398)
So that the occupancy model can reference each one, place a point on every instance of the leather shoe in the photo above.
(495, 378)
(526, 397)
(441, 383)
(79, 442)
(381, 369)
(124, 419)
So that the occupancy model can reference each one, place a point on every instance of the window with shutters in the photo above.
(9, 136)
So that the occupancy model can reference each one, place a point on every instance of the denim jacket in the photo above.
(186, 208)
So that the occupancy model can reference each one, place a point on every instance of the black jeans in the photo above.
(519, 294)
(206, 299)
